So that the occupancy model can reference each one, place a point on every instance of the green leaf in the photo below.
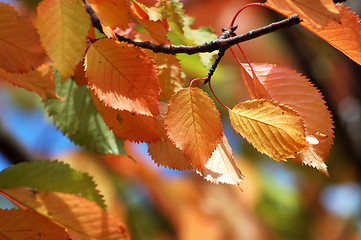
(51, 176)
(78, 118)
(182, 33)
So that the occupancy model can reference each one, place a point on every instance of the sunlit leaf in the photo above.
(270, 127)
(20, 48)
(52, 176)
(112, 13)
(193, 124)
(157, 29)
(123, 77)
(169, 71)
(78, 118)
(289, 87)
(18, 224)
(63, 27)
(344, 35)
(316, 12)
(221, 167)
(40, 80)
(82, 218)
(180, 24)
(127, 125)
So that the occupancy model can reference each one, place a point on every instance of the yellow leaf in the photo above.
(63, 27)
(194, 125)
(270, 127)
(112, 13)
(123, 77)
(127, 125)
(20, 48)
(21, 224)
(316, 12)
(41, 81)
(80, 217)
(221, 167)
(157, 29)
(289, 87)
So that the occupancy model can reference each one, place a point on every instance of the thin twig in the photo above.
(210, 46)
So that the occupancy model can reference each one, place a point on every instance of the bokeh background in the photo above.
(278, 200)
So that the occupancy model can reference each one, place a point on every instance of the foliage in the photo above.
(102, 92)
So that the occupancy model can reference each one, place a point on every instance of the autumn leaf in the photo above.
(289, 87)
(344, 35)
(63, 27)
(193, 124)
(169, 71)
(52, 176)
(81, 218)
(40, 80)
(78, 118)
(123, 77)
(127, 125)
(165, 153)
(157, 29)
(18, 224)
(20, 48)
(112, 13)
(221, 167)
(270, 127)
(316, 12)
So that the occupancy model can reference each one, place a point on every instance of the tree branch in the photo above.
(211, 46)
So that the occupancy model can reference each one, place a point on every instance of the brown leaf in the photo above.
(123, 77)
(20, 48)
(194, 125)
(79, 216)
(270, 127)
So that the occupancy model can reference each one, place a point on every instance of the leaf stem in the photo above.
(241, 9)
(210, 87)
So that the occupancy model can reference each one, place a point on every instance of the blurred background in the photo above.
(278, 200)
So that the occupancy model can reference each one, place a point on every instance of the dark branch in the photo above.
(211, 46)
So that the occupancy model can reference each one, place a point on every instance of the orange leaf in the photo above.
(221, 166)
(80, 217)
(193, 124)
(123, 77)
(20, 48)
(20, 224)
(289, 87)
(270, 127)
(127, 125)
(157, 29)
(169, 71)
(112, 13)
(316, 12)
(41, 81)
(63, 27)
(344, 35)
(166, 154)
